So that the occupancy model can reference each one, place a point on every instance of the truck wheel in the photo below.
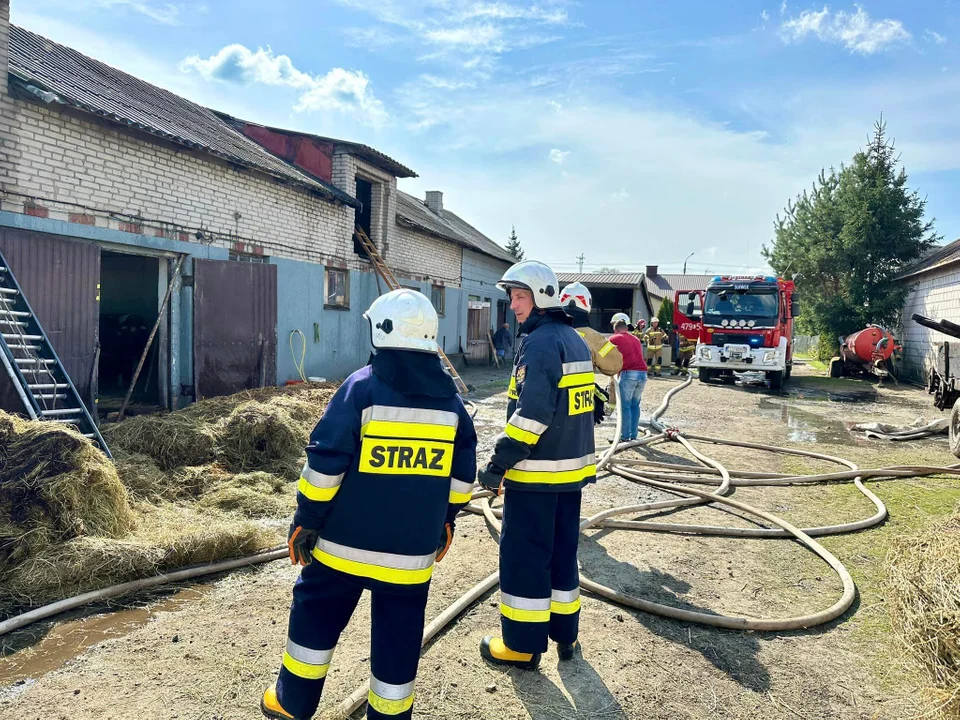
(776, 379)
(705, 374)
(955, 429)
(788, 372)
(836, 367)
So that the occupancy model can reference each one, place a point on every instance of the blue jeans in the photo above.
(632, 383)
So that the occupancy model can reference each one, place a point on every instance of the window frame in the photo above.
(345, 305)
(442, 308)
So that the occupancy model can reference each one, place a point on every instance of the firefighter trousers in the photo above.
(323, 601)
(539, 580)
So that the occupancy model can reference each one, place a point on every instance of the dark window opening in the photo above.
(337, 291)
(438, 298)
(363, 214)
(129, 304)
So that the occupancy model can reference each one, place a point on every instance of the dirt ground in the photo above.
(207, 651)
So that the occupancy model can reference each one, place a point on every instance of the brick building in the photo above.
(934, 283)
(107, 181)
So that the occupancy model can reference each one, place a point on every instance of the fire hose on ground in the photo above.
(660, 475)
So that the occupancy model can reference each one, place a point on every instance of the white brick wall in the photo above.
(424, 256)
(61, 160)
(935, 295)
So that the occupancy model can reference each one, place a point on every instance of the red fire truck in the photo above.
(741, 324)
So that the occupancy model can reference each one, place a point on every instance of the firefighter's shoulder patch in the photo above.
(521, 374)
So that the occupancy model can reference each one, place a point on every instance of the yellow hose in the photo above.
(303, 353)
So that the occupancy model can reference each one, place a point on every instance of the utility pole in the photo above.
(685, 262)
(580, 259)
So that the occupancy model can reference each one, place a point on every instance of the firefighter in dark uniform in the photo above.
(389, 466)
(541, 463)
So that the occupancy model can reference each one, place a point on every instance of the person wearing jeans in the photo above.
(633, 378)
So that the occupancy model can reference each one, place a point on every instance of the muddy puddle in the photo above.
(805, 426)
(68, 640)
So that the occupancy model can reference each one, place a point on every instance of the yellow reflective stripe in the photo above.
(602, 352)
(415, 431)
(304, 670)
(389, 707)
(550, 478)
(524, 615)
(565, 608)
(524, 436)
(457, 498)
(512, 390)
(576, 379)
(374, 572)
(312, 492)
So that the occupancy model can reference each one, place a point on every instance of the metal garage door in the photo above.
(234, 326)
(61, 279)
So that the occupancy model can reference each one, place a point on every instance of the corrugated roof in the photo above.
(602, 279)
(365, 152)
(662, 286)
(413, 212)
(56, 73)
(936, 258)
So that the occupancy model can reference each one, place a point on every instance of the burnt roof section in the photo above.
(364, 152)
(54, 73)
(936, 258)
(662, 286)
(602, 279)
(414, 213)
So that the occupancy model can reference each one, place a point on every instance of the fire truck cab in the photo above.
(741, 324)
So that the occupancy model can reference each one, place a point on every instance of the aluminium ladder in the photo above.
(41, 381)
(391, 280)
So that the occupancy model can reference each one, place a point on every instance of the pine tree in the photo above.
(847, 239)
(513, 246)
(665, 314)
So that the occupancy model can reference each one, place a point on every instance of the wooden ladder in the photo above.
(391, 280)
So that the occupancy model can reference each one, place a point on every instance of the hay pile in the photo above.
(924, 603)
(184, 489)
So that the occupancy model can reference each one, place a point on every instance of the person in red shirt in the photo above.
(633, 378)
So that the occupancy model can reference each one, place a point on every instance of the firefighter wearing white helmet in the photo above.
(620, 317)
(654, 339)
(577, 303)
(543, 459)
(388, 467)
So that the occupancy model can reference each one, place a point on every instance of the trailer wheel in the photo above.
(955, 429)
(836, 367)
(776, 379)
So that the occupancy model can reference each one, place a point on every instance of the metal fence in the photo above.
(805, 344)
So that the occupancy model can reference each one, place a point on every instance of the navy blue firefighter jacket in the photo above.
(391, 461)
(548, 443)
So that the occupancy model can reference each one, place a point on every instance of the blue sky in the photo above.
(632, 132)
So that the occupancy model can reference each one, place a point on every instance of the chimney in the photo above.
(651, 271)
(434, 199)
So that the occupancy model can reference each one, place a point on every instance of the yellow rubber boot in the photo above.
(270, 706)
(494, 651)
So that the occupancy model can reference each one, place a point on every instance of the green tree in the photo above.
(665, 314)
(513, 245)
(847, 238)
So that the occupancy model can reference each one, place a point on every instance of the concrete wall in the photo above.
(935, 294)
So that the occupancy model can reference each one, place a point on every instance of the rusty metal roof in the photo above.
(602, 279)
(54, 73)
(936, 258)
(414, 213)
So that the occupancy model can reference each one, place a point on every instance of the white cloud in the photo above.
(442, 83)
(783, 8)
(558, 156)
(472, 37)
(855, 31)
(710, 251)
(764, 16)
(620, 195)
(933, 36)
(346, 91)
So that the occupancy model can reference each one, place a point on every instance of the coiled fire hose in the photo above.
(664, 476)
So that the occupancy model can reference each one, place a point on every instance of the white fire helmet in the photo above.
(620, 317)
(403, 320)
(536, 277)
(654, 320)
(575, 296)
